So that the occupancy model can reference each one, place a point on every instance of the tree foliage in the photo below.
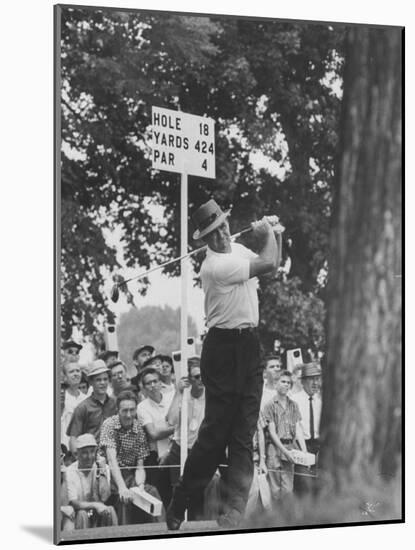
(153, 325)
(291, 315)
(265, 82)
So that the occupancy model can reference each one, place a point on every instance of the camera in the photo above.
(294, 358)
(111, 341)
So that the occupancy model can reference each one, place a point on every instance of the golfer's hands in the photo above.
(262, 227)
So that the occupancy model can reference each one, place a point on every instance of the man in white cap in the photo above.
(89, 415)
(88, 485)
(230, 364)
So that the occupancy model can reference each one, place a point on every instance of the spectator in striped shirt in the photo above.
(281, 418)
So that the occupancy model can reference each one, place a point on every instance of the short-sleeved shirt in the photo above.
(284, 418)
(150, 412)
(231, 298)
(89, 416)
(130, 444)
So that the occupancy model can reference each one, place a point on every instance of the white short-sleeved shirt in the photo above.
(150, 412)
(231, 298)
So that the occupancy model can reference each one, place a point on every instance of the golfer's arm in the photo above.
(268, 258)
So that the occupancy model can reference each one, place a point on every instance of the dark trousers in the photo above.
(168, 479)
(232, 376)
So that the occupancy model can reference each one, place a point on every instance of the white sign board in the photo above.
(183, 143)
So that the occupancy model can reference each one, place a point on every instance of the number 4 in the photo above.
(204, 164)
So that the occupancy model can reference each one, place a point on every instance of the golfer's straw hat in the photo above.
(207, 218)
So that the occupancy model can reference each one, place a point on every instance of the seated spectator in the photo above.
(73, 396)
(88, 483)
(195, 414)
(89, 415)
(109, 357)
(167, 374)
(272, 371)
(152, 413)
(124, 443)
(282, 418)
(119, 379)
(140, 356)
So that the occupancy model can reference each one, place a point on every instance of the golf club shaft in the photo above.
(165, 264)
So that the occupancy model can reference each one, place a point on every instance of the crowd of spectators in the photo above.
(121, 436)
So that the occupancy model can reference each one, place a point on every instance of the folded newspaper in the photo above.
(146, 502)
(303, 459)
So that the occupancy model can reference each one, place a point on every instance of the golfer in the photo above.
(230, 364)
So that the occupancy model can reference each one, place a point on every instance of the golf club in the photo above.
(120, 281)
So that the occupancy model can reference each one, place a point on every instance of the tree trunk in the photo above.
(361, 419)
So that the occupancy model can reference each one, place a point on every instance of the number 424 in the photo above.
(203, 147)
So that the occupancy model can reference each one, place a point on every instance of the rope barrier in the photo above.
(167, 466)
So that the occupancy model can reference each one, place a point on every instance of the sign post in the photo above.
(184, 272)
(184, 144)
